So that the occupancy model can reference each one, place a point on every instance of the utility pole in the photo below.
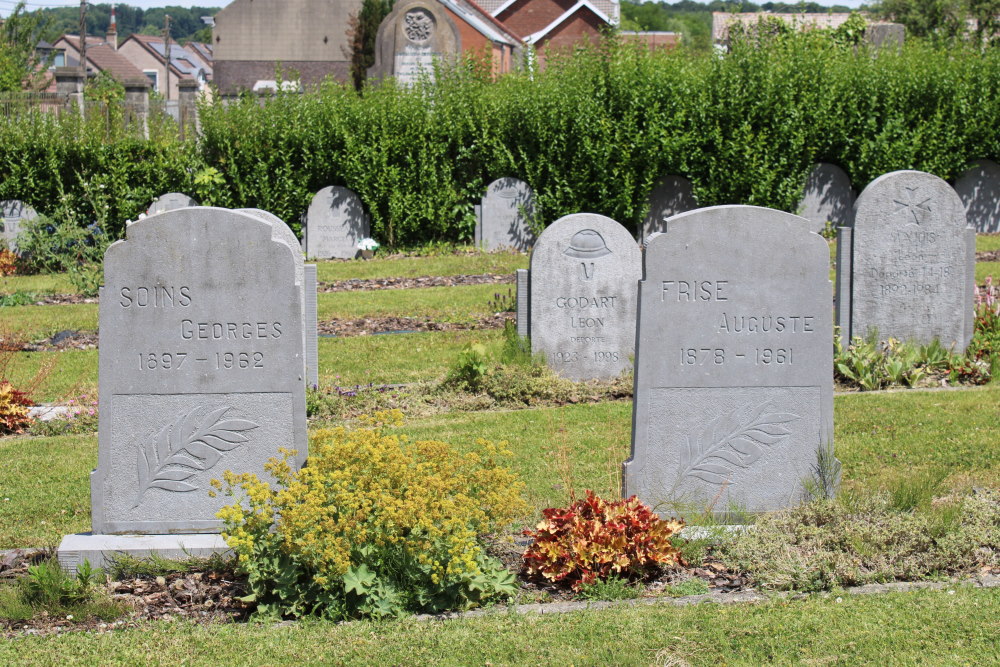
(83, 37)
(166, 56)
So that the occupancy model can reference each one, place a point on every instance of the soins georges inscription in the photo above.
(201, 369)
(584, 269)
(733, 384)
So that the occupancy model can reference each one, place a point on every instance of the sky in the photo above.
(7, 5)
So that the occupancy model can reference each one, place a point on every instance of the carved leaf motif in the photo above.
(733, 441)
(194, 442)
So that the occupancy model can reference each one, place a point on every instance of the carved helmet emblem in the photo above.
(587, 244)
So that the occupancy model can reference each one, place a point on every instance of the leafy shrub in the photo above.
(849, 542)
(14, 406)
(373, 525)
(470, 368)
(8, 262)
(594, 539)
(49, 585)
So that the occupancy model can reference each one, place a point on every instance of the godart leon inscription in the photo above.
(733, 380)
(201, 367)
(584, 272)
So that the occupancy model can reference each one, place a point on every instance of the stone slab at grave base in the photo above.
(100, 549)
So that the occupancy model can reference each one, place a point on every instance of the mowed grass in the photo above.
(38, 322)
(987, 242)
(460, 303)
(984, 269)
(880, 438)
(924, 627)
(414, 267)
(42, 283)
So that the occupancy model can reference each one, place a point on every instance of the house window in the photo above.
(59, 60)
(154, 78)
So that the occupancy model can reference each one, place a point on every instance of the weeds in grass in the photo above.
(125, 566)
(502, 303)
(692, 586)
(19, 298)
(860, 539)
(916, 490)
(81, 418)
(49, 590)
(612, 588)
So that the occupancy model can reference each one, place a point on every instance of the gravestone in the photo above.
(335, 222)
(733, 399)
(670, 196)
(15, 212)
(828, 197)
(584, 271)
(200, 371)
(170, 202)
(503, 219)
(911, 263)
(979, 190)
(412, 39)
(521, 278)
(305, 275)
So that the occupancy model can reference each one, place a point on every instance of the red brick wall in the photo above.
(529, 16)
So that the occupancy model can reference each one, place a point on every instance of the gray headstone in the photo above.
(170, 202)
(828, 197)
(979, 190)
(282, 232)
(670, 196)
(733, 380)
(912, 262)
(15, 212)
(504, 217)
(411, 39)
(885, 35)
(312, 326)
(584, 272)
(523, 301)
(201, 370)
(335, 222)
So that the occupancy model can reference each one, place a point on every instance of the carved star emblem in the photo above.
(913, 205)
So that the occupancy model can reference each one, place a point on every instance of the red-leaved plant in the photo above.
(593, 539)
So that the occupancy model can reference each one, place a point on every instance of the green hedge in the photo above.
(592, 132)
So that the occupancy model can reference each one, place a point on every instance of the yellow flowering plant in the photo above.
(373, 525)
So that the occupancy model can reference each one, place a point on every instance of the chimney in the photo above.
(112, 36)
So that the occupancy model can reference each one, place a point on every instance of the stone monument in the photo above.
(503, 220)
(733, 402)
(416, 35)
(584, 271)
(979, 190)
(335, 222)
(828, 197)
(170, 202)
(906, 267)
(200, 371)
(670, 196)
(15, 212)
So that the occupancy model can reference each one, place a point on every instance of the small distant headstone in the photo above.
(411, 39)
(505, 215)
(979, 190)
(885, 35)
(521, 277)
(733, 402)
(335, 222)
(912, 263)
(828, 197)
(584, 271)
(200, 371)
(672, 195)
(15, 212)
(170, 202)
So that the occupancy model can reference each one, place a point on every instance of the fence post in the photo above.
(137, 103)
(187, 107)
(69, 82)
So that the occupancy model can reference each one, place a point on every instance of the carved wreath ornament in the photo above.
(733, 441)
(194, 442)
(419, 25)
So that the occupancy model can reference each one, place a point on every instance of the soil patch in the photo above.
(988, 256)
(385, 325)
(357, 284)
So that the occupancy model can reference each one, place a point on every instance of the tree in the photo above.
(926, 18)
(361, 32)
(21, 67)
(987, 15)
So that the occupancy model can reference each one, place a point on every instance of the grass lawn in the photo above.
(987, 242)
(413, 267)
(460, 303)
(924, 627)
(880, 437)
(36, 322)
(984, 269)
(51, 283)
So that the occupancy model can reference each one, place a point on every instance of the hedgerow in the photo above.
(593, 131)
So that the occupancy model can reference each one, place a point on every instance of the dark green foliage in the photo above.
(19, 63)
(592, 132)
(363, 30)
